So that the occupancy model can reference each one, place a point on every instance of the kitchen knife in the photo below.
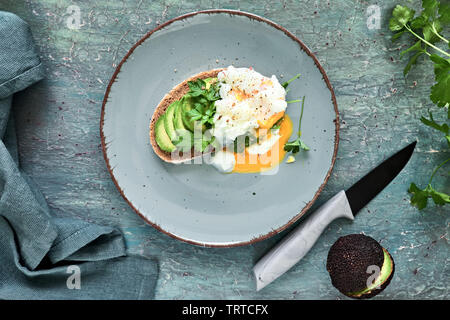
(345, 204)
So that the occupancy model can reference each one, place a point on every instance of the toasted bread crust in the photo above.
(175, 94)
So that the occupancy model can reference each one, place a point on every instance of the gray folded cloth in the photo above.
(43, 256)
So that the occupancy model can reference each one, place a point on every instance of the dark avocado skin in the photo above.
(373, 293)
(348, 260)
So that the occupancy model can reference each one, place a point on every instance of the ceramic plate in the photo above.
(196, 203)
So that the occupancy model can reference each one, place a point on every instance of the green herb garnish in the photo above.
(297, 145)
(426, 30)
(277, 124)
(285, 84)
(444, 128)
(419, 198)
(202, 113)
(202, 143)
(203, 96)
(242, 142)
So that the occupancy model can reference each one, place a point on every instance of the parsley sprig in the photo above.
(203, 97)
(286, 83)
(296, 145)
(444, 128)
(420, 197)
(426, 29)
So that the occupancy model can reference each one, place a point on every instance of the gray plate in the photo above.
(195, 203)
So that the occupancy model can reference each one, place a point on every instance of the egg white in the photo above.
(246, 98)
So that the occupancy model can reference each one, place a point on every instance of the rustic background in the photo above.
(58, 124)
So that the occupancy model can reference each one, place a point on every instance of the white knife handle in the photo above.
(299, 241)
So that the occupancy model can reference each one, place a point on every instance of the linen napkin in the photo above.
(43, 256)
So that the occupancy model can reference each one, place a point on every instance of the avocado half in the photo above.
(353, 263)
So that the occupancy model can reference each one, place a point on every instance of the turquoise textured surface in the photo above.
(59, 141)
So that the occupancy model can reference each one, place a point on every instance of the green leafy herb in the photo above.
(293, 101)
(400, 17)
(277, 125)
(444, 128)
(203, 96)
(285, 84)
(297, 145)
(426, 29)
(440, 92)
(419, 197)
(202, 143)
(196, 88)
(243, 142)
(199, 113)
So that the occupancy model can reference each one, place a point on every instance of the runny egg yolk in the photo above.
(251, 163)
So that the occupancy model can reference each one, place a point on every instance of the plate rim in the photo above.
(303, 47)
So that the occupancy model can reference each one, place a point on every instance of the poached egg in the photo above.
(250, 104)
(248, 101)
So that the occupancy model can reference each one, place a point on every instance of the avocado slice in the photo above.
(161, 136)
(169, 121)
(185, 137)
(177, 119)
(187, 106)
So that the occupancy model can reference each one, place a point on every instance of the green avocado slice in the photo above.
(184, 136)
(178, 120)
(169, 121)
(187, 121)
(161, 136)
(187, 106)
(385, 273)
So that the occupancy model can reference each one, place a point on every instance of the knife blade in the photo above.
(375, 181)
(345, 204)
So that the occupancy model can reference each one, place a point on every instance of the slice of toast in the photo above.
(176, 94)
